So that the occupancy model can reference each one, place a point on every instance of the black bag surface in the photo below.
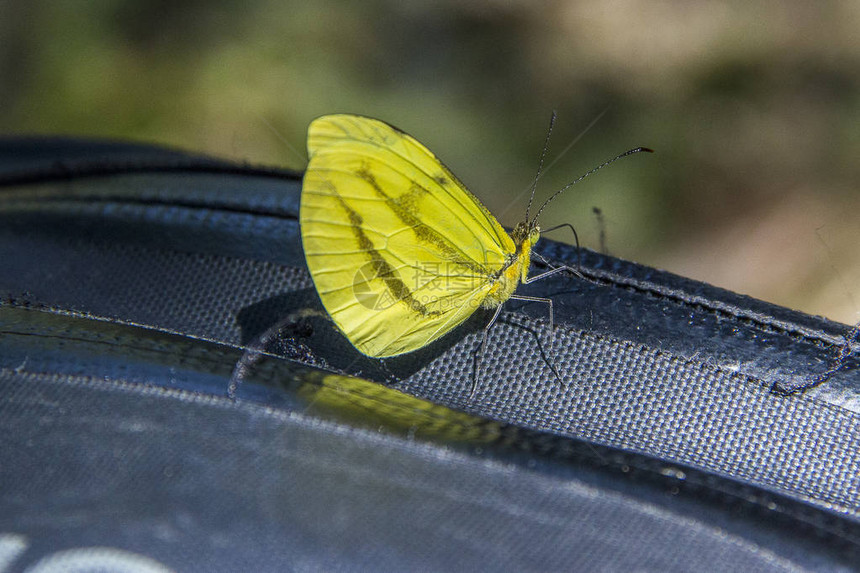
(135, 280)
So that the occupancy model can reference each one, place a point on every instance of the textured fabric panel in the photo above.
(627, 395)
(183, 267)
(200, 295)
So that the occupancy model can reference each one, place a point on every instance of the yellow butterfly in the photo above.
(399, 250)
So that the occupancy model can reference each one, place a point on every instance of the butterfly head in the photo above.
(526, 233)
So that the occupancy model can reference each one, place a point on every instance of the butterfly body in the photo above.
(506, 280)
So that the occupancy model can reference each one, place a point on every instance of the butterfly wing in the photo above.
(399, 250)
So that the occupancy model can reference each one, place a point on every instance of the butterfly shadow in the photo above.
(295, 326)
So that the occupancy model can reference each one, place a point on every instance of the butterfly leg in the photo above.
(551, 272)
(479, 356)
(548, 302)
(556, 270)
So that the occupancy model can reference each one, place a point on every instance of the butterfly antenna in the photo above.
(540, 165)
(595, 170)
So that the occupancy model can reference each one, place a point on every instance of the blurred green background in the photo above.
(753, 108)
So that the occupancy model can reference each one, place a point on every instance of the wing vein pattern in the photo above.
(400, 251)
